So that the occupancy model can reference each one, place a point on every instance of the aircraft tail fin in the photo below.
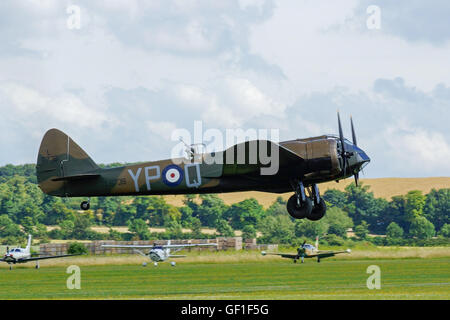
(59, 156)
(28, 247)
(317, 243)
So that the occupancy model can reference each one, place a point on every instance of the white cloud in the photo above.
(163, 129)
(302, 39)
(27, 103)
(418, 150)
(152, 66)
(229, 102)
(415, 20)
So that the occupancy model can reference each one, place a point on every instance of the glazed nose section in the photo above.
(361, 157)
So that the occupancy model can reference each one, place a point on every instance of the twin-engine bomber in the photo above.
(65, 170)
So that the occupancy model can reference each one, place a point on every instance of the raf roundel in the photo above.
(172, 175)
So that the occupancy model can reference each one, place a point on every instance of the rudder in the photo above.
(59, 156)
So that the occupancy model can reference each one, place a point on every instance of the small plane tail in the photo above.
(28, 247)
(60, 159)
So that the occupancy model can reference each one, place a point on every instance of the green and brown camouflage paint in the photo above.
(64, 169)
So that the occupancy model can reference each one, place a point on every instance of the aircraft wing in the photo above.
(150, 246)
(47, 257)
(326, 254)
(132, 246)
(283, 255)
(173, 246)
(176, 256)
(246, 157)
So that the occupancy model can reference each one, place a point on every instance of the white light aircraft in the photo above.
(22, 255)
(159, 253)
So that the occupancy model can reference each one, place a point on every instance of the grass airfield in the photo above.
(235, 275)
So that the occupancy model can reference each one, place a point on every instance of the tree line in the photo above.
(411, 219)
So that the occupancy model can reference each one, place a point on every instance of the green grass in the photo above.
(413, 278)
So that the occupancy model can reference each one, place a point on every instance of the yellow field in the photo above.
(382, 188)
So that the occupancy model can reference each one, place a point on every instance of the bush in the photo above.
(338, 221)
(421, 228)
(394, 231)
(334, 240)
(310, 229)
(445, 231)
(249, 232)
(277, 229)
(378, 241)
(224, 229)
(77, 248)
(362, 230)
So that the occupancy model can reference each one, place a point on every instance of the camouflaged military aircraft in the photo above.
(65, 170)
(307, 250)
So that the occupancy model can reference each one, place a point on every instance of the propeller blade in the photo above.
(341, 137)
(353, 132)
(356, 178)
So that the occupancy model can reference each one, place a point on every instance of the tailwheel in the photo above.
(85, 205)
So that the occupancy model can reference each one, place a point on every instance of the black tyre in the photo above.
(297, 212)
(318, 211)
(85, 205)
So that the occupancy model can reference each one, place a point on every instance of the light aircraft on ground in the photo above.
(159, 253)
(22, 255)
(307, 251)
(64, 169)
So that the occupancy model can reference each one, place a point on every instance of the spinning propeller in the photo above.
(344, 154)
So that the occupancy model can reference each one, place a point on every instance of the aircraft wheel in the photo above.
(297, 212)
(85, 205)
(318, 211)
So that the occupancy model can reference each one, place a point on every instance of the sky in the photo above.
(119, 76)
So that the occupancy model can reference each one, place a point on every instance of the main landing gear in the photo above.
(301, 206)
(85, 205)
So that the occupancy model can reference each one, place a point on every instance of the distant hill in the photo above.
(382, 188)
